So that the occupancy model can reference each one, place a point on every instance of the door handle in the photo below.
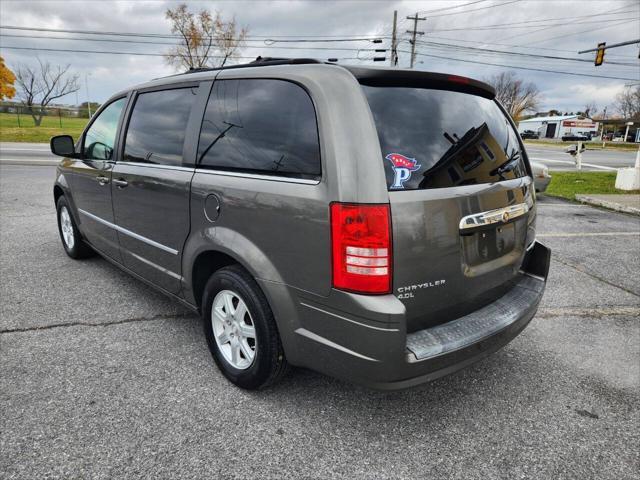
(102, 180)
(121, 183)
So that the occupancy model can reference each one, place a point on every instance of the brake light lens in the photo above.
(458, 79)
(361, 247)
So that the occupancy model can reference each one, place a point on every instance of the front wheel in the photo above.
(240, 329)
(72, 241)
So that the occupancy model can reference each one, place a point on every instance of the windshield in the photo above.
(439, 138)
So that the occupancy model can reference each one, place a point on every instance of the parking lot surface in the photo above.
(555, 158)
(102, 377)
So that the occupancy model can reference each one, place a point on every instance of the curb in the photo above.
(30, 163)
(618, 207)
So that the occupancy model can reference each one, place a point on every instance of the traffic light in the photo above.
(600, 54)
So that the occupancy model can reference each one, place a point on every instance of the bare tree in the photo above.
(205, 40)
(514, 94)
(590, 110)
(628, 103)
(41, 85)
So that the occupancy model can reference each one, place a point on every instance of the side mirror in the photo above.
(62, 145)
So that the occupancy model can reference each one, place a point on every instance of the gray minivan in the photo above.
(377, 225)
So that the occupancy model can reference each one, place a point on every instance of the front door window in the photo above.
(100, 139)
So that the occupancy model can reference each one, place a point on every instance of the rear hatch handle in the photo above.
(482, 220)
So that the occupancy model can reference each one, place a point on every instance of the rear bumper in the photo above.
(363, 339)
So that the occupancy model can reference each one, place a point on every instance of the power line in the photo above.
(571, 34)
(596, 14)
(151, 42)
(143, 54)
(520, 35)
(344, 58)
(452, 8)
(476, 42)
(474, 9)
(101, 51)
(521, 68)
(271, 41)
(518, 25)
(578, 33)
(320, 38)
(522, 54)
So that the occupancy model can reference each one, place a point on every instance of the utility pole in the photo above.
(413, 33)
(394, 59)
(86, 84)
(604, 117)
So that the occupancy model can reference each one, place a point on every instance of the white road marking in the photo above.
(560, 205)
(567, 162)
(12, 149)
(588, 234)
(26, 160)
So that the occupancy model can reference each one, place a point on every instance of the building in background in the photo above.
(560, 125)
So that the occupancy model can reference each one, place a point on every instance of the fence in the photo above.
(21, 116)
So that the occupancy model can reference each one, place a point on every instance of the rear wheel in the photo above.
(241, 332)
(72, 241)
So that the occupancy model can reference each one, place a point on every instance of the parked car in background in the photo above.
(377, 225)
(575, 137)
(529, 134)
(619, 137)
(541, 177)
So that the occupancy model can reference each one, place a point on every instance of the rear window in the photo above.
(439, 138)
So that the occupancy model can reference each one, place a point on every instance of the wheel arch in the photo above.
(57, 193)
(206, 264)
(217, 247)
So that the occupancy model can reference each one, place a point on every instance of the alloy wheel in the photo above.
(233, 329)
(67, 228)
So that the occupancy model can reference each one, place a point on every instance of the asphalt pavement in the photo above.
(553, 157)
(102, 377)
(26, 154)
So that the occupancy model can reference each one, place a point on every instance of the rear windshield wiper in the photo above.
(511, 163)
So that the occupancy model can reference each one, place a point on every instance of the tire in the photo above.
(268, 364)
(70, 236)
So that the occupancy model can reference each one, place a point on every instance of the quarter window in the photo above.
(100, 138)
(157, 126)
(262, 126)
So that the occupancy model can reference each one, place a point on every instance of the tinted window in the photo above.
(101, 136)
(157, 126)
(436, 138)
(262, 126)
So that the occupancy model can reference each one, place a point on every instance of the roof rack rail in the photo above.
(259, 62)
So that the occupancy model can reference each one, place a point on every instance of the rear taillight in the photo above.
(361, 247)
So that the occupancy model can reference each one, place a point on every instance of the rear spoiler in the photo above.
(417, 79)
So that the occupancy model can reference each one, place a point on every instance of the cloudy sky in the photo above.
(461, 37)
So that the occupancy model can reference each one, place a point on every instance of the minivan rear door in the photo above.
(461, 196)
